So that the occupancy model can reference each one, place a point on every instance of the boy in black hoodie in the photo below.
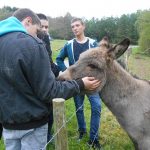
(28, 84)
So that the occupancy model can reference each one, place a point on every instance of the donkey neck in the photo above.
(120, 85)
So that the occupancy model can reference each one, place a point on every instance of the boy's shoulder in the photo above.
(70, 41)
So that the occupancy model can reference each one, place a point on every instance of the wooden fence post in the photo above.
(61, 140)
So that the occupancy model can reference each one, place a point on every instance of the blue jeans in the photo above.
(95, 103)
(33, 139)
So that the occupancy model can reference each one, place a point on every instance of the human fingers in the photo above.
(94, 84)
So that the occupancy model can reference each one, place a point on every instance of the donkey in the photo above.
(128, 98)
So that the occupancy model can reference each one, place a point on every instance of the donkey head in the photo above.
(94, 62)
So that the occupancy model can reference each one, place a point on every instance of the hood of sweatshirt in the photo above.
(11, 24)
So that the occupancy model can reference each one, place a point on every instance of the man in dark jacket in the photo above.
(28, 84)
(44, 36)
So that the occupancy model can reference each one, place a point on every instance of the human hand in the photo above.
(90, 83)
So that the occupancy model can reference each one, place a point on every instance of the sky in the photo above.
(80, 8)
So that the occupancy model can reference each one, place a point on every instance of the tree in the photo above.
(6, 12)
(143, 25)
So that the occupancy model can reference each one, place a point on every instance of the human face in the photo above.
(32, 29)
(77, 28)
(44, 25)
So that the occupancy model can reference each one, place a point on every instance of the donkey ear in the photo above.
(117, 50)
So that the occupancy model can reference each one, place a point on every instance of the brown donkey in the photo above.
(127, 98)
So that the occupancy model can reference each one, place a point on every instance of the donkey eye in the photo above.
(92, 66)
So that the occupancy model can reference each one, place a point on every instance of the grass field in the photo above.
(56, 45)
(112, 137)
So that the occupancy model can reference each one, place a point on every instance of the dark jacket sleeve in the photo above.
(42, 80)
(61, 57)
(55, 69)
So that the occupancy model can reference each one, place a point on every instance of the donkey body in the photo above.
(127, 98)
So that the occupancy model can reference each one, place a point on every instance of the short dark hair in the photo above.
(22, 13)
(42, 16)
(77, 19)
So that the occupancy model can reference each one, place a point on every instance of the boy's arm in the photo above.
(61, 57)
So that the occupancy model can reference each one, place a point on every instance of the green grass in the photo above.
(135, 50)
(56, 46)
(112, 136)
(1, 145)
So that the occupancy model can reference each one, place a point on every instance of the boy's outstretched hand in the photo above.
(90, 83)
